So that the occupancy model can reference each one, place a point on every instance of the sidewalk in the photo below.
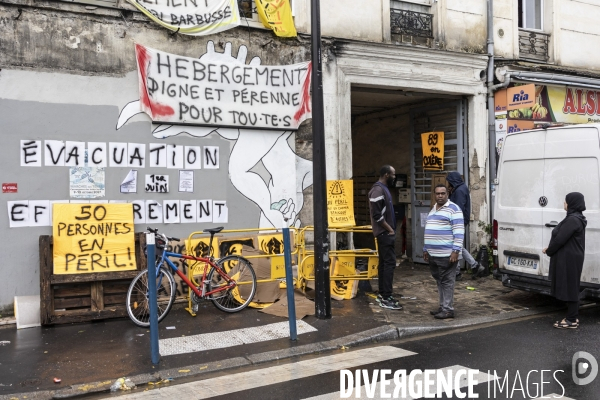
(90, 357)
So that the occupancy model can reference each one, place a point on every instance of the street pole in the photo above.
(322, 283)
(150, 249)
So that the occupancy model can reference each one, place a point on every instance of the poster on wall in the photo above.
(91, 238)
(184, 90)
(186, 181)
(501, 129)
(86, 182)
(433, 151)
(340, 203)
(129, 184)
(157, 183)
(192, 17)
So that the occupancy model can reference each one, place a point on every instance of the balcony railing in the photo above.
(533, 45)
(411, 23)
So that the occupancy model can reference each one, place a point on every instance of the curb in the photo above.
(382, 333)
(404, 332)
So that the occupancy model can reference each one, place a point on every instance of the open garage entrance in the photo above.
(386, 129)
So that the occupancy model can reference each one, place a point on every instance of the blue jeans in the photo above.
(469, 260)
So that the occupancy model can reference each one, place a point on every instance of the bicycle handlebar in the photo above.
(170, 239)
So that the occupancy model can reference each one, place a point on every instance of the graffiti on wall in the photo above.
(255, 154)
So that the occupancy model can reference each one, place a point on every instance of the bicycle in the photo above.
(229, 282)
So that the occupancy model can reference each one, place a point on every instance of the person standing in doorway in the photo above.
(459, 195)
(444, 235)
(383, 222)
(567, 250)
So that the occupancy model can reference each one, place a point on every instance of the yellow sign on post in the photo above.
(93, 238)
(433, 150)
(340, 203)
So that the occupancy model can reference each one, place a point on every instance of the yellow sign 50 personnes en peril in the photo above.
(92, 238)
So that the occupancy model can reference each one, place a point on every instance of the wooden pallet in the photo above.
(83, 297)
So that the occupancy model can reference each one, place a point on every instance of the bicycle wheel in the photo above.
(138, 307)
(238, 297)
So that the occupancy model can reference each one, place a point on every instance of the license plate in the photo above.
(523, 262)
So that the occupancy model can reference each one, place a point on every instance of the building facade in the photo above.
(392, 70)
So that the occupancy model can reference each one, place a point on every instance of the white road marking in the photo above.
(241, 381)
(236, 337)
(481, 377)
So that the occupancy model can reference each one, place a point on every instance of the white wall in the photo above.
(577, 33)
(572, 24)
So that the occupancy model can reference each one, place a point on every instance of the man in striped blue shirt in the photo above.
(444, 235)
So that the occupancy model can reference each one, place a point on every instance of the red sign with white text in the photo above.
(9, 188)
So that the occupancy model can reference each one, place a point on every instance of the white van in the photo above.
(537, 169)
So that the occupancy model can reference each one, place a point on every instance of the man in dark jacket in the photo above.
(383, 222)
(459, 194)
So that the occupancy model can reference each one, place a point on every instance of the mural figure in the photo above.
(281, 198)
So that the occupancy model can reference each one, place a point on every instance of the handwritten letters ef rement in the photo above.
(184, 90)
(93, 238)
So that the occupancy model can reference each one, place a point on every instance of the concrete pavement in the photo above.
(89, 357)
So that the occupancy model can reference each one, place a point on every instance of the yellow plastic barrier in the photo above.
(270, 241)
(342, 262)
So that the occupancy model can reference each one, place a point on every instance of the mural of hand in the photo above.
(226, 57)
(288, 209)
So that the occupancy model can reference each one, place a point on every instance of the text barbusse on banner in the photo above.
(192, 17)
(92, 238)
(184, 90)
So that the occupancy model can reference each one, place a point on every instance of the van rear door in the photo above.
(518, 212)
(572, 164)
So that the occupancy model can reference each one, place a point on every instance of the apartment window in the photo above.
(530, 14)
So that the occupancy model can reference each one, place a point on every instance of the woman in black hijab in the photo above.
(566, 250)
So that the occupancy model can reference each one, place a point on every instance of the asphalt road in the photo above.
(520, 349)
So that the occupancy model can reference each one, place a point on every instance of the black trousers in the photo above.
(572, 311)
(387, 263)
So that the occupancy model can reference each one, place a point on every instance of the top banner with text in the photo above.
(192, 17)
(184, 90)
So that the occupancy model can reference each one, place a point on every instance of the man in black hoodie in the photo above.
(383, 222)
(459, 194)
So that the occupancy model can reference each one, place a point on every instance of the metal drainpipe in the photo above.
(491, 115)
(491, 112)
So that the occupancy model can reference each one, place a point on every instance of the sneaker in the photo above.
(478, 270)
(380, 299)
(458, 277)
(390, 303)
(434, 312)
(566, 324)
(444, 315)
